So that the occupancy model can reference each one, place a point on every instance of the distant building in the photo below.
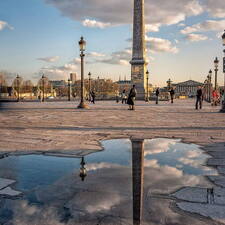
(73, 77)
(124, 85)
(187, 88)
(58, 83)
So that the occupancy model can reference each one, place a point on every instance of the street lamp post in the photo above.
(169, 84)
(223, 105)
(147, 77)
(82, 44)
(43, 87)
(216, 63)
(89, 85)
(18, 87)
(69, 90)
(210, 85)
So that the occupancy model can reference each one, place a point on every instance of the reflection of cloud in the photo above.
(97, 166)
(193, 154)
(190, 162)
(158, 145)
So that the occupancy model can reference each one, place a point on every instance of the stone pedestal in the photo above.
(138, 179)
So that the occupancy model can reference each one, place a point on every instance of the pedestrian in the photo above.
(117, 96)
(124, 97)
(93, 97)
(157, 96)
(199, 98)
(131, 98)
(172, 93)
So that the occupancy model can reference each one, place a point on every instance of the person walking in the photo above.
(199, 98)
(131, 98)
(157, 96)
(124, 97)
(93, 97)
(172, 93)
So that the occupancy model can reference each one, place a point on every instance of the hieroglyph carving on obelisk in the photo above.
(138, 62)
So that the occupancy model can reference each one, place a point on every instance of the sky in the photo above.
(183, 37)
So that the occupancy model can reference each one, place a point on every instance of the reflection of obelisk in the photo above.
(138, 62)
(138, 179)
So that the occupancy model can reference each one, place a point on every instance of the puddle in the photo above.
(54, 193)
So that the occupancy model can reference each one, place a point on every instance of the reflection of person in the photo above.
(124, 97)
(198, 98)
(131, 97)
(157, 96)
(172, 92)
(117, 96)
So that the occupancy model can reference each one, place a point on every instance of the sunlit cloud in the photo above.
(95, 24)
(196, 37)
(49, 59)
(4, 24)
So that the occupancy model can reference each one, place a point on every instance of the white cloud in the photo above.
(49, 59)
(4, 25)
(152, 27)
(59, 73)
(117, 12)
(118, 58)
(95, 24)
(196, 37)
(160, 45)
(216, 8)
(95, 54)
(208, 25)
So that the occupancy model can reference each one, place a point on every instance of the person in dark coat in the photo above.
(131, 97)
(93, 97)
(157, 96)
(199, 98)
(172, 93)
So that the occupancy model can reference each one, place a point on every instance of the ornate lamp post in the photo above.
(18, 81)
(83, 171)
(223, 105)
(89, 85)
(69, 90)
(216, 63)
(82, 44)
(43, 78)
(210, 85)
(147, 77)
(169, 83)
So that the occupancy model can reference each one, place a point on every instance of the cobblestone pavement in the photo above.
(57, 126)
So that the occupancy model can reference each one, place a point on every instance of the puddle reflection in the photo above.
(97, 188)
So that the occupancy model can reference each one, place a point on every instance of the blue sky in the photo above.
(39, 36)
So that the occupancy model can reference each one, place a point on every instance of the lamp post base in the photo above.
(82, 105)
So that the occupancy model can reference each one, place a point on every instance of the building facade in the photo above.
(187, 88)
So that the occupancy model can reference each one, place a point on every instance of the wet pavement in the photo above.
(53, 191)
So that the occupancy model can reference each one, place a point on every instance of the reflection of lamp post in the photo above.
(82, 44)
(216, 63)
(83, 171)
(18, 87)
(89, 85)
(147, 77)
(223, 105)
(205, 90)
(69, 89)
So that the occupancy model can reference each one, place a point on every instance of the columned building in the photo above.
(187, 88)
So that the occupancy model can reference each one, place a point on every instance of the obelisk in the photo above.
(138, 62)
